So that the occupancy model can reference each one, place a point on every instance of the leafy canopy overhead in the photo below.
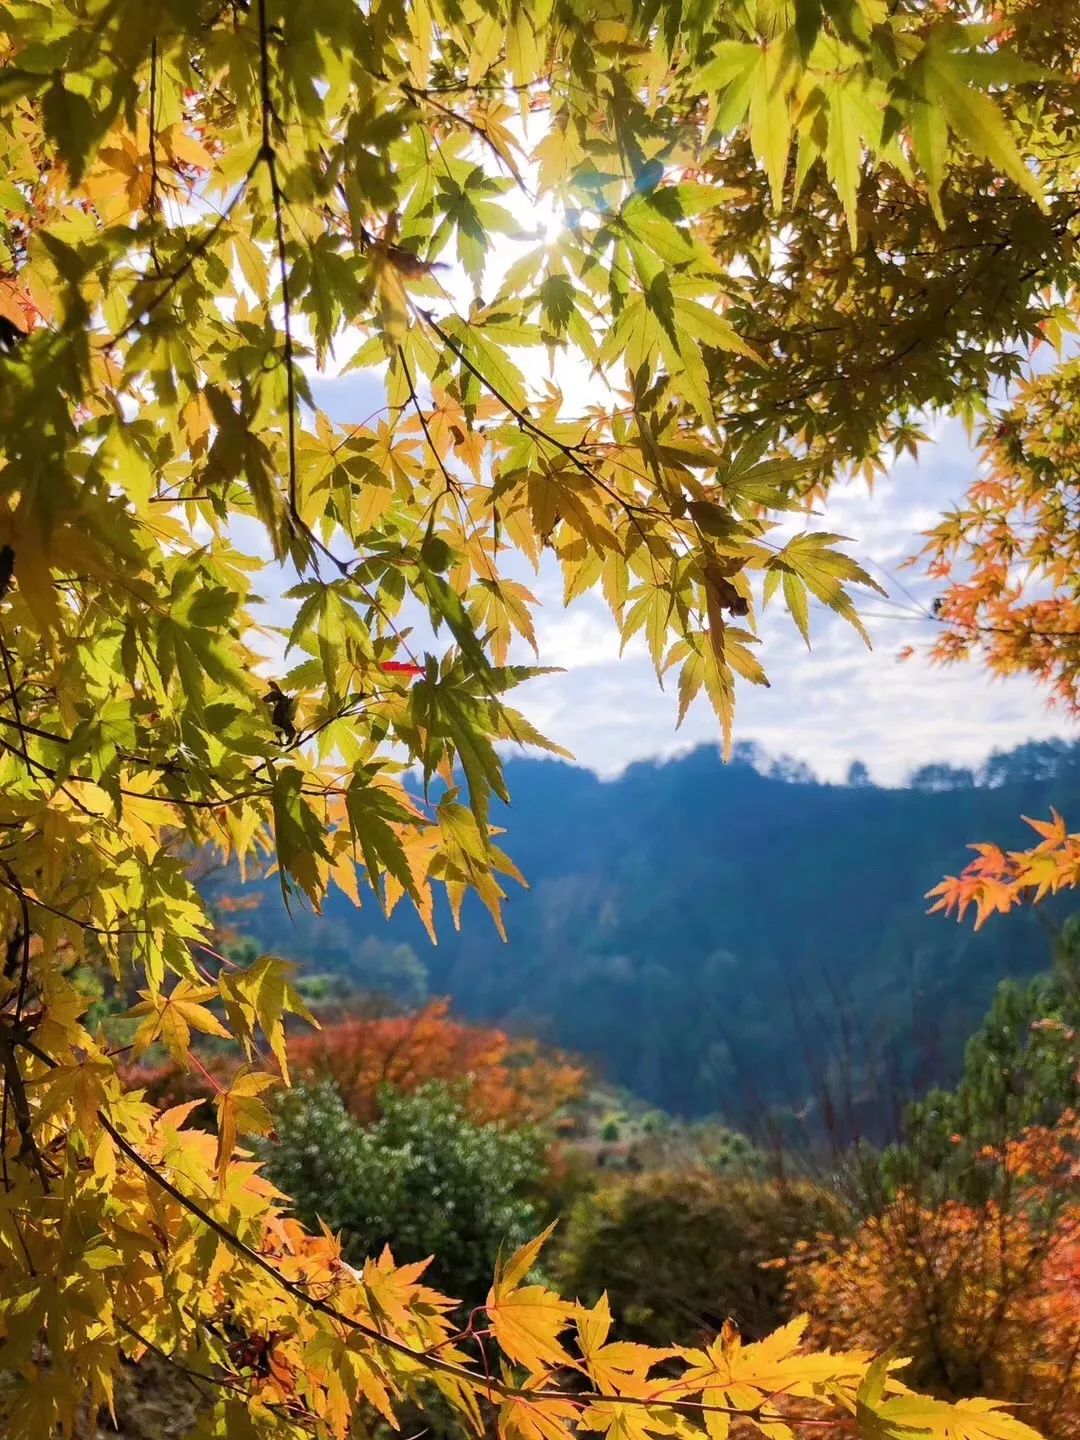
(780, 234)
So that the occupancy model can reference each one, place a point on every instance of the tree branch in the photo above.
(427, 1358)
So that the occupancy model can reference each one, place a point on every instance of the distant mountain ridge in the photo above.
(719, 938)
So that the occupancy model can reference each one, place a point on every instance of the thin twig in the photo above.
(195, 253)
(72, 919)
(194, 1376)
(451, 483)
(152, 198)
(6, 1175)
(15, 1090)
(24, 936)
(629, 506)
(268, 156)
(14, 693)
(477, 129)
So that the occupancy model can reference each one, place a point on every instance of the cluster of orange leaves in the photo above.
(998, 880)
(984, 1298)
(1010, 554)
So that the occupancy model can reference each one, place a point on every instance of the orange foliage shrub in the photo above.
(502, 1078)
(983, 1298)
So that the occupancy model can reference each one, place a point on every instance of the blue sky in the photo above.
(827, 706)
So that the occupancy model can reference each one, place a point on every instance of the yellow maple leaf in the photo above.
(737, 1377)
(240, 1111)
(904, 1416)
(610, 1366)
(1053, 831)
(526, 1320)
(171, 1019)
(144, 817)
(391, 1290)
(87, 1086)
(261, 996)
(622, 1421)
(521, 1417)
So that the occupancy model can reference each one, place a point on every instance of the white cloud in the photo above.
(827, 706)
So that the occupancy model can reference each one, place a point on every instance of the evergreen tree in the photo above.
(1021, 1068)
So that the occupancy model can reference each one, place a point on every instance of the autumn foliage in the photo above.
(495, 1076)
(1008, 557)
(985, 1298)
(764, 219)
(499, 1078)
(998, 880)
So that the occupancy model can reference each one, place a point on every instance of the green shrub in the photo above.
(425, 1178)
(681, 1251)
(729, 1152)
(1019, 1070)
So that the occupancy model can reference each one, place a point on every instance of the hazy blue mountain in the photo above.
(722, 937)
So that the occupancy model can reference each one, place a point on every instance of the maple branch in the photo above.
(194, 254)
(155, 180)
(268, 156)
(15, 1090)
(570, 451)
(18, 957)
(195, 1376)
(1018, 631)
(13, 949)
(451, 483)
(66, 915)
(630, 508)
(233, 1240)
(14, 694)
(347, 712)
(25, 729)
(52, 774)
(427, 1358)
(23, 933)
(169, 767)
(427, 96)
(199, 1378)
(4, 1172)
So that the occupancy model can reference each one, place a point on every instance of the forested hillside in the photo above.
(709, 935)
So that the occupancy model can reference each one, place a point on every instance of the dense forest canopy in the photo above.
(782, 234)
